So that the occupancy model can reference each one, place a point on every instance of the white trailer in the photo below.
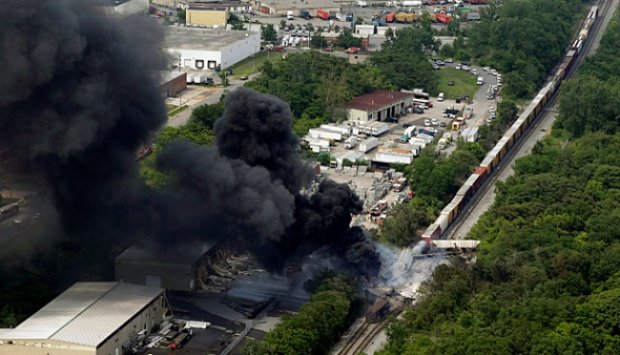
(368, 145)
(324, 143)
(470, 134)
(395, 155)
(374, 129)
(344, 130)
(412, 3)
(320, 133)
(418, 142)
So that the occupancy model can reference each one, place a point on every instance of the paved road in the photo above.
(539, 131)
(183, 117)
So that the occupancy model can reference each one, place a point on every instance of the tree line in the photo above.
(547, 277)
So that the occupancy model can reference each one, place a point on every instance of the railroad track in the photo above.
(362, 337)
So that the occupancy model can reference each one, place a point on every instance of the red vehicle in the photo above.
(390, 17)
(322, 14)
(353, 50)
(444, 18)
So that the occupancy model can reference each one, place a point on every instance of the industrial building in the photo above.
(89, 318)
(280, 7)
(172, 83)
(379, 105)
(207, 16)
(124, 7)
(204, 49)
(178, 270)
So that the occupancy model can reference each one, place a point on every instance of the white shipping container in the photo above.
(318, 142)
(344, 130)
(320, 133)
(395, 155)
(368, 145)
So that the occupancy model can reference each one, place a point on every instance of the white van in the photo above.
(289, 15)
(480, 80)
(440, 97)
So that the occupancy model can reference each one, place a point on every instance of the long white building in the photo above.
(89, 318)
(205, 48)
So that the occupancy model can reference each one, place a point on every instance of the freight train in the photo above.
(495, 156)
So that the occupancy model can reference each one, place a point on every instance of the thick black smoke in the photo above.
(78, 96)
(223, 197)
(257, 129)
(249, 188)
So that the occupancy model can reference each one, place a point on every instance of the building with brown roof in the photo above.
(379, 105)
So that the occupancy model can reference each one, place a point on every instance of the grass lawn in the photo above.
(464, 83)
(252, 64)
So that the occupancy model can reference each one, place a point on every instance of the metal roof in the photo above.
(378, 100)
(87, 313)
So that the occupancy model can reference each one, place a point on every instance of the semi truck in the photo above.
(322, 14)
(350, 143)
(305, 14)
(368, 145)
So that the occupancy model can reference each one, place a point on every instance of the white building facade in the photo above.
(200, 50)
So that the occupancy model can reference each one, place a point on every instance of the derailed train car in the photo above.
(493, 159)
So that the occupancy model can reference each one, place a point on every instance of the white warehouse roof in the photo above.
(87, 313)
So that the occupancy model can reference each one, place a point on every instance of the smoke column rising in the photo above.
(78, 96)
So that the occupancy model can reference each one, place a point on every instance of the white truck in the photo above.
(362, 3)
(320, 133)
(368, 145)
(350, 143)
(289, 15)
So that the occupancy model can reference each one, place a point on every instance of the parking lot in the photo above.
(375, 186)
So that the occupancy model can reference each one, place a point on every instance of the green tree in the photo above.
(181, 15)
(269, 33)
(346, 40)
(318, 41)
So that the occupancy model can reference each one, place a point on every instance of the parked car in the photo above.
(407, 125)
(427, 122)
(434, 122)
(243, 77)
(442, 124)
(459, 66)
(353, 50)
(441, 96)
(449, 60)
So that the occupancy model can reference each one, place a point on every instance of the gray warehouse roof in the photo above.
(201, 38)
(87, 313)
(181, 255)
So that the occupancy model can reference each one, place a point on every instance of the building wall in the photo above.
(173, 87)
(132, 7)
(204, 17)
(146, 319)
(358, 115)
(177, 277)
(45, 347)
(190, 58)
(240, 50)
(383, 112)
(365, 30)
(165, 3)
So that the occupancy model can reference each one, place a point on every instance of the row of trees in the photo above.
(523, 39)
(547, 276)
(319, 323)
